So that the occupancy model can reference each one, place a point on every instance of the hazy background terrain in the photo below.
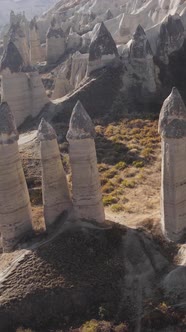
(31, 8)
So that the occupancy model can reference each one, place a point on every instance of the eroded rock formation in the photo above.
(56, 197)
(86, 188)
(35, 46)
(102, 49)
(15, 208)
(55, 42)
(172, 127)
(22, 87)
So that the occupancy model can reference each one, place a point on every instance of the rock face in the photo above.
(35, 46)
(15, 208)
(17, 35)
(55, 42)
(102, 49)
(56, 197)
(62, 82)
(172, 127)
(86, 188)
(141, 60)
(171, 37)
(22, 87)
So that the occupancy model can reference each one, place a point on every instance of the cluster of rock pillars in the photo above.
(23, 95)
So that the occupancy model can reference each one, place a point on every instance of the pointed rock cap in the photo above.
(108, 15)
(55, 29)
(45, 131)
(140, 46)
(8, 130)
(12, 59)
(16, 31)
(102, 43)
(172, 120)
(33, 24)
(81, 126)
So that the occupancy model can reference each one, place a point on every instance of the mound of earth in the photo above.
(81, 271)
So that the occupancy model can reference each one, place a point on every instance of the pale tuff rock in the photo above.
(86, 188)
(15, 208)
(55, 191)
(62, 82)
(74, 41)
(141, 60)
(35, 46)
(172, 127)
(171, 37)
(17, 35)
(22, 87)
(78, 69)
(55, 42)
(102, 49)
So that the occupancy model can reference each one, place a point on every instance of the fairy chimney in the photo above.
(56, 197)
(55, 42)
(15, 208)
(35, 46)
(102, 50)
(172, 127)
(141, 61)
(86, 188)
(22, 87)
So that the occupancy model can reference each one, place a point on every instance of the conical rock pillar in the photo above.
(56, 197)
(86, 188)
(15, 208)
(172, 127)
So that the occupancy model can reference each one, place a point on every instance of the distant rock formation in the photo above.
(74, 41)
(172, 127)
(55, 42)
(171, 37)
(86, 188)
(15, 208)
(102, 50)
(17, 35)
(62, 82)
(56, 197)
(35, 46)
(141, 60)
(22, 87)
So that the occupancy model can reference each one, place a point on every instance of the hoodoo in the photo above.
(15, 208)
(172, 127)
(56, 197)
(35, 46)
(55, 42)
(102, 50)
(86, 188)
(22, 87)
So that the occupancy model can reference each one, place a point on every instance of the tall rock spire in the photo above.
(35, 46)
(12, 59)
(103, 48)
(172, 127)
(140, 47)
(86, 188)
(55, 42)
(15, 208)
(56, 197)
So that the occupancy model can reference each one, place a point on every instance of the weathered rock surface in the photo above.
(172, 127)
(22, 87)
(171, 37)
(102, 49)
(55, 42)
(15, 208)
(35, 46)
(55, 191)
(86, 188)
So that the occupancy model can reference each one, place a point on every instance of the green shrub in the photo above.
(121, 165)
(128, 183)
(138, 164)
(117, 208)
(109, 200)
